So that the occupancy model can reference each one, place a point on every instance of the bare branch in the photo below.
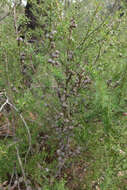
(21, 166)
(15, 23)
(2, 107)
(23, 120)
(2, 18)
(26, 126)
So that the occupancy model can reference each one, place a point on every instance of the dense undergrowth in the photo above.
(63, 124)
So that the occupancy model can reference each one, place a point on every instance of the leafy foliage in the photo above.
(65, 82)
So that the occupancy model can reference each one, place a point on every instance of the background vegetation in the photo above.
(63, 95)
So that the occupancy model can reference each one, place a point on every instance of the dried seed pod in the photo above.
(19, 39)
(70, 55)
(64, 105)
(54, 55)
(61, 114)
(53, 32)
(57, 63)
(51, 61)
(73, 24)
(58, 151)
(51, 37)
(57, 52)
(53, 45)
(22, 56)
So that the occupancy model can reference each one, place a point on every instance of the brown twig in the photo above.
(21, 166)
(23, 120)
(15, 20)
(2, 18)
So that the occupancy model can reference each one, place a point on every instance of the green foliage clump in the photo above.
(66, 87)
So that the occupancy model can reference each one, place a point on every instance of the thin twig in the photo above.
(2, 18)
(23, 120)
(89, 27)
(4, 104)
(15, 20)
(21, 166)
(26, 126)
(12, 176)
(98, 55)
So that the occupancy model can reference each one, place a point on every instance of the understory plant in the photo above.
(63, 96)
